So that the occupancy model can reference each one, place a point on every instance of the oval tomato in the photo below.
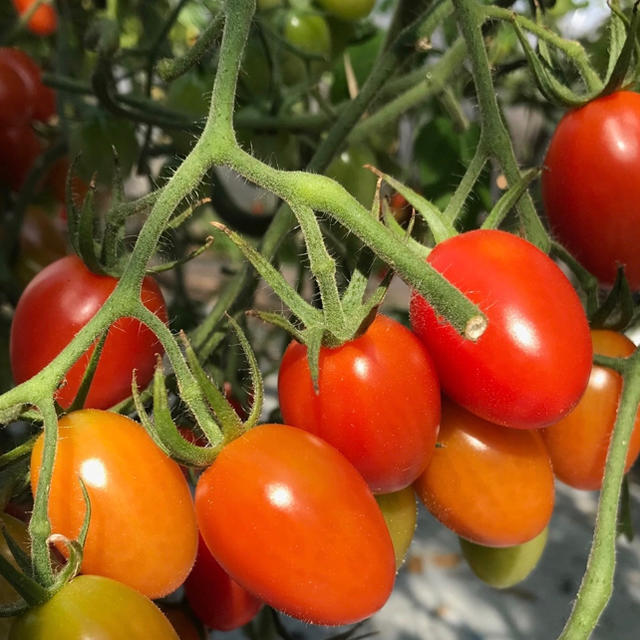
(15, 103)
(44, 20)
(142, 530)
(504, 567)
(293, 522)
(309, 33)
(217, 600)
(578, 443)
(94, 607)
(532, 363)
(400, 513)
(590, 187)
(378, 402)
(348, 9)
(489, 484)
(56, 304)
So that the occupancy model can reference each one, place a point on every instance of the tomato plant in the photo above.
(94, 607)
(217, 600)
(579, 442)
(302, 516)
(142, 530)
(516, 373)
(44, 20)
(58, 302)
(348, 9)
(348, 169)
(503, 567)
(18, 531)
(389, 443)
(400, 513)
(589, 184)
(489, 484)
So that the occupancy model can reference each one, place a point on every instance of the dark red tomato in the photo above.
(57, 182)
(532, 363)
(183, 622)
(15, 103)
(44, 20)
(292, 521)
(590, 187)
(56, 304)
(491, 485)
(142, 530)
(378, 402)
(579, 442)
(19, 147)
(218, 601)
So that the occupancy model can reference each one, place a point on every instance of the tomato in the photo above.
(18, 531)
(348, 9)
(400, 513)
(57, 181)
(217, 600)
(378, 402)
(182, 622)
(579, 442)
(44, 20)
(489, 484)
(531, 365)
(293, 522)
(309, 33)
(504, 567)
(142, 530)
(19, 148)
(94, 607)
(15, 106)
(590, 188)
(56, 304)
(348, 169)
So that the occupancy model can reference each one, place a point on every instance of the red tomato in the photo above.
(142, 530)
(489, 484)
(15, 105)
(590, 187)
(57, 182)
(56, 304)
(378, 402)
(579, 442)
(183, 622)
(517, 374)
(43, 22)
(293, 522)
(19, 147)
(218, 601)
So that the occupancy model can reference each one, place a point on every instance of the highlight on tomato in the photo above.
(378, 402)
(291, 520)
(142, 530)
(491, 485)
(56, 304)
(517, 373)
(578, 443)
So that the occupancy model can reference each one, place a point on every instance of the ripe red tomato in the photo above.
(293, 522)
(15, 105)
(378, 402)
(56, 304)
(579, 442)
(94, 607)
(517, 374)
(590, 187)
(19, 147)
(143, 528)
(44, 20)
(217, 600)
(489, 484)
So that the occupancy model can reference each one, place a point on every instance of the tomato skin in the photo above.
(491, 485)
(306, 532)
(94, 607)
(142, 530)
(15, 105)
(216, 599)
(44, 20)
(19, 147)
(579, 442)
(400, 513)
(590, 188)
(378, 402)
(348, 9)
(56, 304)
(517, 373)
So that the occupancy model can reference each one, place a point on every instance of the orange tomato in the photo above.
(44, 20)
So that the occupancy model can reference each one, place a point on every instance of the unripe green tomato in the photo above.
(502, 567)
(348, 170)
(348, 9)
(400, 512)
(18, 531)
(309, 33)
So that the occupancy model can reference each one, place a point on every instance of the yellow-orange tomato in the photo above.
(490, 484)
(579, 442)
(143, 529)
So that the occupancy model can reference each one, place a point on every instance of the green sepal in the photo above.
(619, 70)
(509, 199)
(32, 592)
(84, 529)
(22, 558)
(313, 341)
(13, 610)
(184, 215)
(86, 245)
(400, 232)
(618, 31)
(14, 477)
(278, 320)
(87, 378)
(619, 299)
(167, 266)
(71, 567)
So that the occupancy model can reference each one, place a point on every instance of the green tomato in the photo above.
(400, 513)
(348, 169)
(94, 607)
(18, 531)
(502, 567)
(309, 33)
(348, 9)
